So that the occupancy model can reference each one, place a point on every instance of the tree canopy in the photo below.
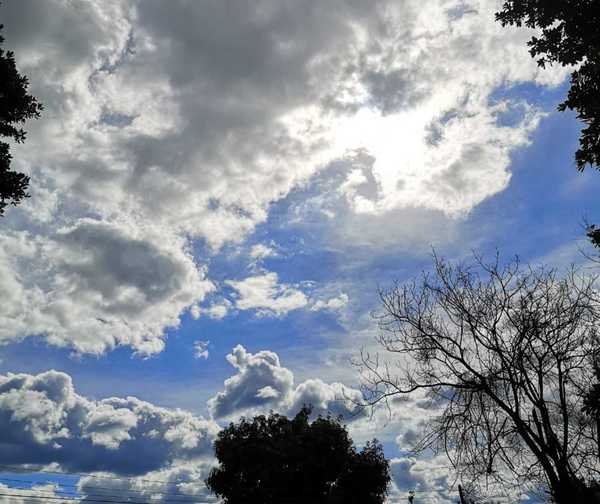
(273, 459)
(16, 106)
(510, 353)
(569, 36)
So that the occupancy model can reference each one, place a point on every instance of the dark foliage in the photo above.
(569, 36)
(16, 106)
(593, 233)
(273, 459)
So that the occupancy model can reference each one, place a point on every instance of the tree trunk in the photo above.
(575, 492)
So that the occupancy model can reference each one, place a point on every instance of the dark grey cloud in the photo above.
(43, 420)
(99, 285)
(106, 259)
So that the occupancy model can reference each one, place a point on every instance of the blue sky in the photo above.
(262, 182)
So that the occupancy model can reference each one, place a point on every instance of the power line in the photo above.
(71, 499)
(93, 487)
(84, 499)
(91, 498)
(88, 475)
(69, 495)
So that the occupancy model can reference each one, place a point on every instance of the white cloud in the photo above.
(33, 495)
(201, 349)
(262, 383)
(183, 482)
(43, 420)
(95, 285)
(431, 479)
(327, 398)
(215, 311)
(260, 251)
(333, 304)
(159, 130)
(265, 294)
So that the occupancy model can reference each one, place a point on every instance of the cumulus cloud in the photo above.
(334, 303)
(327, 398)
(429, 478)
(43, 420)
(95, 285)
(264, 293)
(160, 130)
(262, 383)
(183, 483)
(161, 451)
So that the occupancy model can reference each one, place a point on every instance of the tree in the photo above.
(569, 36)
(272, 459)
(16, 106)
(593, 233)
(508, 352)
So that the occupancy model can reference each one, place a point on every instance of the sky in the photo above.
(218, 191)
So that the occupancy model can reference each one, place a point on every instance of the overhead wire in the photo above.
(115, 499)
(179, 497)
(16, 469)
(94, 487)
(84, 499)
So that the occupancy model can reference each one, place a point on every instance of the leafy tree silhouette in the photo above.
(16, 106)
(593, 233)
(569, 36)
(273, 459)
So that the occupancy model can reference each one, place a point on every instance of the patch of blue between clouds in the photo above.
(25, 480)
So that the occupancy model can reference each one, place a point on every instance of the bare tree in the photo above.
(510, 352)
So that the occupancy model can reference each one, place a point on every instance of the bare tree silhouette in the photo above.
(509, 353)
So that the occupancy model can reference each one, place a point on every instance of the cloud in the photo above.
(327, 398)
(262, 383)
(201, 349)
(334, 303)
(182, 483)
(260, 251)
(161, 130)
(161, 451)
(147, 452)
(33, 495)
(215, 311)
(264, 294)
(96, 285)
(43, 420)
(430, 478)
